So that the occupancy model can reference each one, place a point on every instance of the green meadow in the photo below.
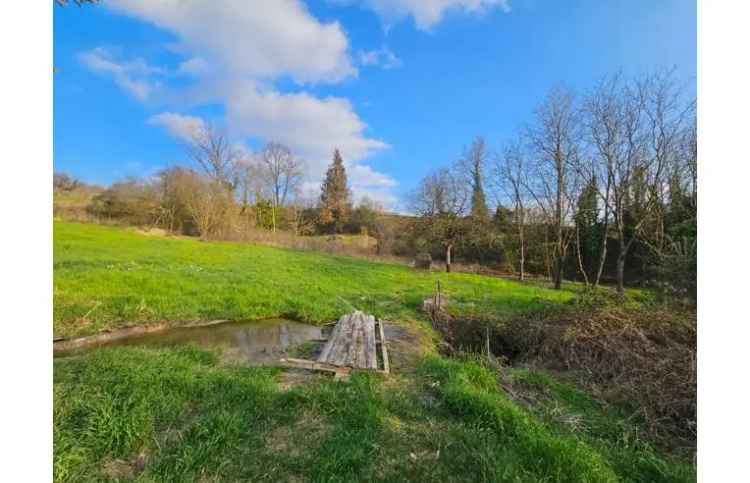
(177, 415)
(180, 414)
(106, 277)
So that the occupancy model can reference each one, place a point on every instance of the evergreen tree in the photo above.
(473, 164)
(478, 203)
(679, 212)
(503, 219)
(588, 228)
(335, 198)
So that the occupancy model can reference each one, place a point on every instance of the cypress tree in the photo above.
(335, 197)
(589, 230)
(478, 203)
(475, 158)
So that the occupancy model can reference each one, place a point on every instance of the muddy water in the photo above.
(254, 342)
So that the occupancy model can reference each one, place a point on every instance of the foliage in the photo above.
(64, 182)
(335, 197)
(131, 200)
(590, 233)
(676, 269)
(473, 165)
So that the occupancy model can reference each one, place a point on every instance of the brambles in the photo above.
(643, 356)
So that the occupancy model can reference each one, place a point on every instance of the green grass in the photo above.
(105, 277)
(610, 429)
(178, 414)
(187, 418)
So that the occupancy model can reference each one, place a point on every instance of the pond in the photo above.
(249, 342)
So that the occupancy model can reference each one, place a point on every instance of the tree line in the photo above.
(597, 186)
(594, 181)
(223, 192)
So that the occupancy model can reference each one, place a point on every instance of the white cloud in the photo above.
(193, 66)
(368, 183)
(259, 39)
(236, 50)
(428, 13)
(382, 57)
(181, 126)
(310, 126)
(134, 76)
(365, 177)
(387, 200)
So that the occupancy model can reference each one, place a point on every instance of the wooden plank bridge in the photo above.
(353, 344)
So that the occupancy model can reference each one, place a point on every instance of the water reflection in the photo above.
(242, 342)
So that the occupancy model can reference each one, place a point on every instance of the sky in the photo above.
(400, 87)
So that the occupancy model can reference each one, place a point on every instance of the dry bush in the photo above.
(644, 357)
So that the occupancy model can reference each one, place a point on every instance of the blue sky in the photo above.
(400, 86)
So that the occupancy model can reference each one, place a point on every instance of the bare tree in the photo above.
(64, 182)
(508, 176)
(635, 130)
(282, 171)
(604, 120)
(555, 143)
(470, 168)
(214, 155)
(689, 155)
(249, 181)
(441, 201)
(207, 202)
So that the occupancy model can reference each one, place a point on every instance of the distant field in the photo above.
(106, 277)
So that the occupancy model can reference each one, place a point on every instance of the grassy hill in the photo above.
(105, 277)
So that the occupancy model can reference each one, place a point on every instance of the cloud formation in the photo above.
(181, 126)
(235, 52)
(428, 13)
(264, 40)
(135, 76)
(382, 57)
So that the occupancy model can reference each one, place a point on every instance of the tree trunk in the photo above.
(559, 272)
(602, 252)
(580, 257)
(621, 268)
(521, 252)
(559, 227)
(448, 257)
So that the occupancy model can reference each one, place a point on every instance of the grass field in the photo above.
(180, 414)
(177, 415)
(105, 277)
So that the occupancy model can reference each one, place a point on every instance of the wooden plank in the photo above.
(371, 361)
(312, 365)
(358, 356)
(349, 356)
(353, 343)
(324, 354)
(383, 348)
(340, 350)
